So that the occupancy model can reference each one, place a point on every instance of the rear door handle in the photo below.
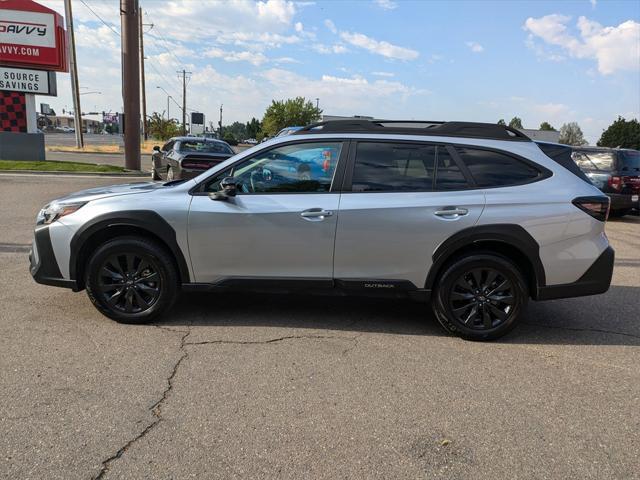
(315, 214)
(453, 212)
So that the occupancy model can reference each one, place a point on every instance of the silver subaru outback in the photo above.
(473, 218)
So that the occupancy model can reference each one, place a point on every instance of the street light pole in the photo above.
(168, 97)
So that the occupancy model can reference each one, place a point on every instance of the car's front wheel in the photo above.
(131, 280)
(480, 296)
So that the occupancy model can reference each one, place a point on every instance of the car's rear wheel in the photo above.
(480, 296)
(131, 280)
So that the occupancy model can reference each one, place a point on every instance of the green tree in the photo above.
(237, 129)
(161, 128)
(546, 126)
(253, 127)
(287, 113)
(621, 133)
(516, 122)
(502, 122)
(571, 134)
(229, 137)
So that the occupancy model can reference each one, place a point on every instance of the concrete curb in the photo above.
(81, 174)
(91, 153)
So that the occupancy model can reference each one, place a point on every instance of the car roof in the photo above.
(203, 139)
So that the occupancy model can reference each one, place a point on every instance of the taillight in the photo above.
(597, 207)
(197, 165)
(615, 182)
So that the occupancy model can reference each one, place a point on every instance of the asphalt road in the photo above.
(69, 139)
(116, 159)
(257, 386)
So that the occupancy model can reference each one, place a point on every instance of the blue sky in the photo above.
(557, 61)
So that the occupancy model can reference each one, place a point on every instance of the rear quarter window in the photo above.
(494, 169)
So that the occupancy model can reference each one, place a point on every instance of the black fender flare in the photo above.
(147, 220)
(514, 236)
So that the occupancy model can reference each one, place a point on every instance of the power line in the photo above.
(164, 43)
(109, 26)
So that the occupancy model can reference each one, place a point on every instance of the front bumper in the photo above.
(43, 265)
(595, 280)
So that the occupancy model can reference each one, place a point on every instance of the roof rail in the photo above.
(415, 127)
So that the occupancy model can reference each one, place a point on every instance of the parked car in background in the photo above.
(287, 131)
(615, 171)
(187, 157)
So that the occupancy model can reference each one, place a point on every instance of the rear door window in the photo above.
(448, 174)
(629, 162)
(494, 169)
(393, 167)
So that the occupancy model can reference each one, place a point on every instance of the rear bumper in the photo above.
(595, 280)
(620, 201)
(42, 262)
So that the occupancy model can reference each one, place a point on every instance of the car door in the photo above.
(280, 225)
(400, 201)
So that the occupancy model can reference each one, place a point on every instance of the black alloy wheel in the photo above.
(130, 283)
(132, 279)
(482, 298)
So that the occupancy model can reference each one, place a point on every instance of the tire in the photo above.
(126, 290)
(171, 175)
(154, 173)
(480, 296)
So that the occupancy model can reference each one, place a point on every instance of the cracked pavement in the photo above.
(258, 386)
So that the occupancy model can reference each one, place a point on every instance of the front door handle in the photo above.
(316, 214)
(451, 212)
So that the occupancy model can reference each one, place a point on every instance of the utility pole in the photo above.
(75, 87)
(184, 100)
(220, 123)
(317, 103)
(130, 82)
(142, 77)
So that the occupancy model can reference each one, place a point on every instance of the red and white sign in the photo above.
(31, 35)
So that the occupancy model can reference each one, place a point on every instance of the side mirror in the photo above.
(228, 189)
(156, 148)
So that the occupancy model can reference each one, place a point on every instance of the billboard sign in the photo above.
(32, 35)
(28, 81)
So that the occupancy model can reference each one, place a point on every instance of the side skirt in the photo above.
(315, 286)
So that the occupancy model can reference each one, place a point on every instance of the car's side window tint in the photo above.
(393, 167)
(494, 169)
(168, 146)
(448, 174)
(298, 168)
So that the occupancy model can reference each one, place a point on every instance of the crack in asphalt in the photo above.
(156, 408)
(264, 342)
(575, 329)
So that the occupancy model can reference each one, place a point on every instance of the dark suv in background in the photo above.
(615, 171)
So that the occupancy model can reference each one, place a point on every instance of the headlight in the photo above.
(55, 210)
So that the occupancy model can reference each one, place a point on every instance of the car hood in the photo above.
(111, 191)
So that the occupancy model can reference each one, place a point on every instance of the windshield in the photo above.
(630, 161)
(200, 146)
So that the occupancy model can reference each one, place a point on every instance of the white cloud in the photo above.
(614, 48)
(383, 74)
(326, 49)
(383, 48)
(593, 3)
(298, 26)
(331, 26)
(475, 47)
(386, 4)
(254, 58)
